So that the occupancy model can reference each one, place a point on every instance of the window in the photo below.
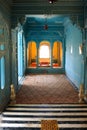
(2, 47)
(44, 54)
(20, 55)
(2, 68)
(2, 72)
(44, 51)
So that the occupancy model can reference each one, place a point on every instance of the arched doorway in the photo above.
(57, 55)
(44, 54)
(31, 55)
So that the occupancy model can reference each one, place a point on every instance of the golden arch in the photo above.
(31, 54)
(57, 54)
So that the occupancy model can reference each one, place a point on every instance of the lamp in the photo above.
(45, 26)
(52, 1)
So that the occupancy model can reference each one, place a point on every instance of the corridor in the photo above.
(43, 54)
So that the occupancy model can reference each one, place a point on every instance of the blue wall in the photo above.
(5, 53)
(74, 64)
(85, 48)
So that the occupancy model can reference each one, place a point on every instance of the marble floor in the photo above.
(28, 117)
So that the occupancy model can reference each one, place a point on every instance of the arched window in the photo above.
(44, 54)
(44, 51)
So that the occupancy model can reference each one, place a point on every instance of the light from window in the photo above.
(20, 55)
(44, 51)
(2, 47)
(2, 72)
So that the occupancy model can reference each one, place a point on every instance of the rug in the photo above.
(49, 125)
(47, 89)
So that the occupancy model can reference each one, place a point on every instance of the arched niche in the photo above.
(44, 54)
(32, 55)
(57, 54)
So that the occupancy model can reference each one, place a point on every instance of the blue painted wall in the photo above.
(5, 42)
(86, 62)
(8, 40)
(85, 15)
(74, 63)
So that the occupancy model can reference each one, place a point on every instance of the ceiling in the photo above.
(35, 14)
(43, 9)
(22, 7)
(45, 19)
(35, 24)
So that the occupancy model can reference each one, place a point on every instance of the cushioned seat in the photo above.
(44, 64)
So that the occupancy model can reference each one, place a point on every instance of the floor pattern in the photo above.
(49, 125)
(29, 117)
(47, 89)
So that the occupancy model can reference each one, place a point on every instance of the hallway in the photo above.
(43, 37)
(47, 89)
(43, 42)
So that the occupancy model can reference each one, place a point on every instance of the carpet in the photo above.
(49, 125)
(47, 89)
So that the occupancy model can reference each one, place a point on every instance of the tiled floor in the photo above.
(47, 89)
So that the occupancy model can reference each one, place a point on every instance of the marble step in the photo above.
(28, 117)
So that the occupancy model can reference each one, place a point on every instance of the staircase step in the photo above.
(29, 116)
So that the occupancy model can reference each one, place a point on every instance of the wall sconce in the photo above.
(80, 49)
(71, 50)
